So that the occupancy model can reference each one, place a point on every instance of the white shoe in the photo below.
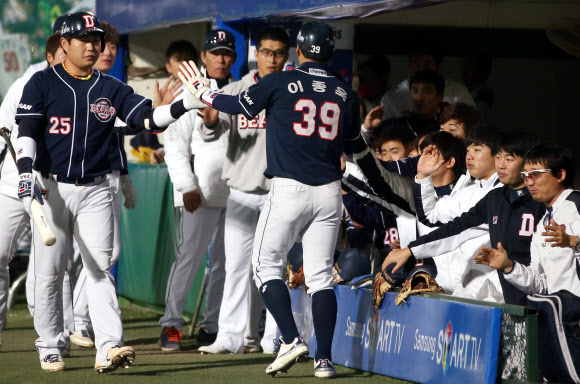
(287, 356)
(117, 357)
(52, 363)
(214, 349)
(323, 368)
(82, 338)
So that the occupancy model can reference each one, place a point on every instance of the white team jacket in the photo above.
(397, 100)
(182, 139)
(462, 269)
(9, 172)
(245, 161)
(552, 269)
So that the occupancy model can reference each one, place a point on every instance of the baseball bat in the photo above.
(38, 214)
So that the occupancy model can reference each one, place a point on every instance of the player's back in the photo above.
(309, 114)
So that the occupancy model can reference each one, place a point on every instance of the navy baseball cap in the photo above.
(219, 39)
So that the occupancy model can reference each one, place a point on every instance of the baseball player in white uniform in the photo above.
(201, 196)
(15, 217)
(244, 168)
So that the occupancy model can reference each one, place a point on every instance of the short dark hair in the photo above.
(484, 135)
(555, 157)
(414, 145)
(111, 33)
(449, 146)
(518, 143)
(53, 44)
(396, 133)
(463, 113)
(184, 49)
(274, 34)
(430, 77)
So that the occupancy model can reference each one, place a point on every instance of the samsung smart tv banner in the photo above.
(424, 340)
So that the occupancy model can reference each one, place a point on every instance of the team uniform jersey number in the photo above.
(59, 125)
(329, 114)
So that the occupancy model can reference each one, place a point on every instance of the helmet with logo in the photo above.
(316, 41)
(80, 24)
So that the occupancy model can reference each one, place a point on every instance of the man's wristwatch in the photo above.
(577, 247)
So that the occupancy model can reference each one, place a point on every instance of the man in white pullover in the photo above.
(244, 168)
(201, 195)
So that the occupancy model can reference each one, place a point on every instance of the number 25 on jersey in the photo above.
(59, 125)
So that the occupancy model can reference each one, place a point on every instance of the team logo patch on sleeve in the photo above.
(103, 109)
(495, 219)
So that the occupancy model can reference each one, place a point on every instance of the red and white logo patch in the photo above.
(103, 110)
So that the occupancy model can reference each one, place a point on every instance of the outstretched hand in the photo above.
(167, 93)
(495, 258)
(430, 161)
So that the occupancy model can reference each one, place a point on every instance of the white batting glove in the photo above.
(197, 84)
(129, 192)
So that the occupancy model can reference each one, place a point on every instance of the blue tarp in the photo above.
(136, 15)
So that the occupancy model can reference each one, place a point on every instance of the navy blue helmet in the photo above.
(82, 23)
(316, 41)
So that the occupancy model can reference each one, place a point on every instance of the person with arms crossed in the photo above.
(310, 116)
(65, 118)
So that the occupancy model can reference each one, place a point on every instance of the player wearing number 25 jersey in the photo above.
(66, 117)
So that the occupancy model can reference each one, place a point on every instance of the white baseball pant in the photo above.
(295, 210)
(242, 212)
(86, 213)
(197, 230)
(80, 300)
(14, 222)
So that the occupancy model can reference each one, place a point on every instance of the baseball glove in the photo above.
(295, 279)
(381, 284)
(420, 282)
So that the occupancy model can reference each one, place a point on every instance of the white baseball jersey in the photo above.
(552, 269)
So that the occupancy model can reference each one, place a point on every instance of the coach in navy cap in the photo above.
(219, 39)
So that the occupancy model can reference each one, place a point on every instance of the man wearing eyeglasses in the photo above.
(508, 213)
(244, 168)
(554, 269)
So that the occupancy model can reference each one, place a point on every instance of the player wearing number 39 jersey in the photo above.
(310, 115)
(66, 117)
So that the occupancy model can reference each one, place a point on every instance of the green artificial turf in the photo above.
(19, 360)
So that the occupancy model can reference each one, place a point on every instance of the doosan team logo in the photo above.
(103, 110)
